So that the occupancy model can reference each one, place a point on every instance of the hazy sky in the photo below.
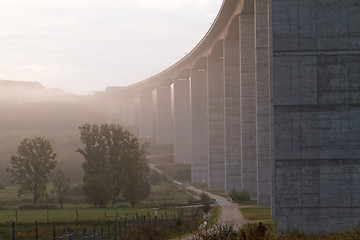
(86, 45)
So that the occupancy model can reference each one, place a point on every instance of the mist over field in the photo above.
(27, 109)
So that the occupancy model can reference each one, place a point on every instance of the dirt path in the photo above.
(230, 213)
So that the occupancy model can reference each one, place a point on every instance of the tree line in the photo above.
(114, 163)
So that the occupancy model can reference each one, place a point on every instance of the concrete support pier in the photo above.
(129, 115)
(216, 122)
(199, 117)
(248, 104)
(232, 114)
(163, 129)
(146, 116)
(262, 76)
(182, 121)
(316, 76)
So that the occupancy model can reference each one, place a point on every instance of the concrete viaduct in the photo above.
(267, 102)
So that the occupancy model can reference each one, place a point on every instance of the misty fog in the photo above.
(28, 109)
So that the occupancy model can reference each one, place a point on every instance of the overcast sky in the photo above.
(83, 46)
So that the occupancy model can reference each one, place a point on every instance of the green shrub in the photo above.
(155, 177)
(241, 196)
(205, 201)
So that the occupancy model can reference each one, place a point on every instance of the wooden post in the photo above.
(77, 215)
(36, 230)
(94, 232)
(120, 229)
(13, 231)
(115, 231)
(108, 231)
(47, 216)
(16, 216)
(54, 232)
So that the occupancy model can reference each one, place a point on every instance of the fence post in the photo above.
(36, 230)
(94, 232)
(115, 230)
(16, 216)
(54, 232)
(120, 229)
(13, 231)
(77, 215)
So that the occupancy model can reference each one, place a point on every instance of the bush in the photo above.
(205, 201)
(155, 177)
(241, 196)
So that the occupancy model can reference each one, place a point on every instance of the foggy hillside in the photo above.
(29, 110)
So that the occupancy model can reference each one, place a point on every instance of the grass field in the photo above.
(256, 213)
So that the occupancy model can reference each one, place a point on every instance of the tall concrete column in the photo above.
(263, 101)
(248, 104)
(129, 114)
(162, 115)
(182, 121)
(199, 118)
(145, 115)
(216, 123)
(232, 115)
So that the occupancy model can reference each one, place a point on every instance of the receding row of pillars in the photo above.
(218, 115)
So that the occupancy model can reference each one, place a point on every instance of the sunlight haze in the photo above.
(82, 46)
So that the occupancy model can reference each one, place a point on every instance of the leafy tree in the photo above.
(113, 159)
(31, 166)
(136, 183)
(62, 186)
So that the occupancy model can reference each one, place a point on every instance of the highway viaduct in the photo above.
(267, 102)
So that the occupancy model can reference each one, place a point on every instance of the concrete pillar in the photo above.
(216, 123)
(262, 75)
(145, 116)
(129, 115)
(127, 111)
(182, 121)
(199, 119)
(248, 104)
(113, 109)
(162, 115)
(232, 115)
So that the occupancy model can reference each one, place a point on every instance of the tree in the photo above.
(62, 186)
(111, 154)
(136, 183)
(31, 166)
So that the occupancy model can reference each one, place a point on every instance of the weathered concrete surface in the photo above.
(248, 104)
(182, 121)
(200, 127)
(146, 116)
(232, 115)
(163, 129)
(262, 76)
(216, 123)
(316, 72)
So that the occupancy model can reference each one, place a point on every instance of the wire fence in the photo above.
(114, 227)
